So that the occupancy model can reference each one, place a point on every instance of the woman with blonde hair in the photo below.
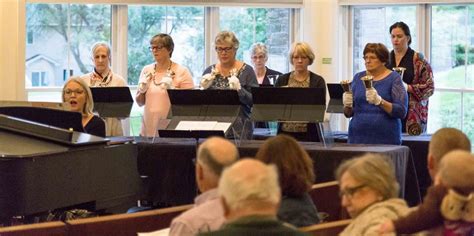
(78, 96)
(301, 57)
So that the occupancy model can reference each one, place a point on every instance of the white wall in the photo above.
(12, 50)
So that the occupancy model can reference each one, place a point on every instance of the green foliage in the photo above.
(88, 24)
(460, 55)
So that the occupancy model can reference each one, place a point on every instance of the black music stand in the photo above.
(335, 94)
(290, 104)
(112, 101)
(221, 106)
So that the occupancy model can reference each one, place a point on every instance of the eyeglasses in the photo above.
(69, 92)
(349, 192)
(369, 58)
(300, 58)
(222, 50)
(156, 48)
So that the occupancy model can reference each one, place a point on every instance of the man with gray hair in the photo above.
(250, 195)
(207, 214)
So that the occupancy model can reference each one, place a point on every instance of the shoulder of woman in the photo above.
(390, 208)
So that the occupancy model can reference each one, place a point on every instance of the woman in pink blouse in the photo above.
(154, 81)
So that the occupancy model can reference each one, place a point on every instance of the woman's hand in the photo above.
(206, 80)
(234, 83)
(373, 97)
(347, 99)
(386, 227)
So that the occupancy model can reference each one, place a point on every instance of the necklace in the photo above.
(169, 73)
(103, 81)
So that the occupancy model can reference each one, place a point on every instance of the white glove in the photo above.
(143, 87)
(166, 82)
(234, 83)
(373, 97)
(206, 81)
(347, 99)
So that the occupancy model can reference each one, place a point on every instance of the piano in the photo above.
(43, 168)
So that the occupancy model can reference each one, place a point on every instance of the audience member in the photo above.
(207, 214)
(417, 76)
(295, 171)
(443, 141)
(78, 96)
(102, 76)
(259, 56)
(154, 81)
(369, 191)
(378, 101)
(301, 57)
(250, 195)
(449, 202)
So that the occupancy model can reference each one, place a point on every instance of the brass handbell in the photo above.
(346, 85)
(368, 79)
(399, 70)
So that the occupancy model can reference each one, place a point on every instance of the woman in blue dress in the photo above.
(376, 111)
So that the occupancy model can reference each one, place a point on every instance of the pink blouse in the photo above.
(157, 103)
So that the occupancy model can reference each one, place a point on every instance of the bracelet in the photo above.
(381, 102)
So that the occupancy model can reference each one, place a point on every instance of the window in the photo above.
(64, 34)
(266, 25)
(39, 79)
(453, 63)
(184, 24)
(372, 25)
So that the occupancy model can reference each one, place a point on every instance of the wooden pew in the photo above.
(326, 198)
(326, 229)
(55, 228)
(125, 224)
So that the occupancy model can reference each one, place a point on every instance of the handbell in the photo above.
(346, 85)
(367, 79)
(399, 70)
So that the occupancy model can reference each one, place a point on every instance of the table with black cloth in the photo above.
(170, 171)
(419, 150)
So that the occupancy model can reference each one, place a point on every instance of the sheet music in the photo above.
(161, 232)
(196, 125)
(224, 126)
(203, 125)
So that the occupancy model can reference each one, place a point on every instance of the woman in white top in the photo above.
(154, 81)
(102, 76)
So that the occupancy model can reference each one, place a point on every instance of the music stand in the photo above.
(335, 102)
(220, 106)
(290, 104)
(112, 101)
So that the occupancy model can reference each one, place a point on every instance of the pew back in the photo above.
(125, 224)
(326, 229)
(326, 198)
(55, 228)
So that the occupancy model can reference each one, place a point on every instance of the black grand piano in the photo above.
(43, 167)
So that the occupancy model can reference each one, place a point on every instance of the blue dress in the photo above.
(370, 124)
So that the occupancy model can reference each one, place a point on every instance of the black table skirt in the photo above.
(167, 164)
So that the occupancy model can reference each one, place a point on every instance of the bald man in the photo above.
(443, 141)
(207, 214)
(251, 194)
